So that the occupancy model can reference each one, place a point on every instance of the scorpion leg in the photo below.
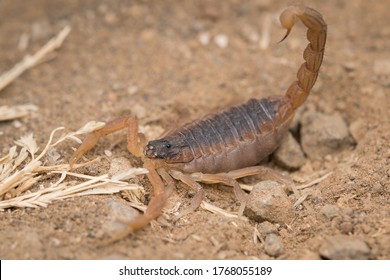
(135, 141)
(92, 138)
(170, 183)
(225, 179)
(229, 179)
(260, 170)
(156, 204)
(199, 195)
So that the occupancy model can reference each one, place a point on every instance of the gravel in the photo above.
(273, 245)
(324, 134)
(343, 247)
(289, 155)
(118, 215)
(330, 211)
(268, 202)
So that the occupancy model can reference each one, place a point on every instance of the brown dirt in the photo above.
(146, 57)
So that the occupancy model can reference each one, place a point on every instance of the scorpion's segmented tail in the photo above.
(313, 54)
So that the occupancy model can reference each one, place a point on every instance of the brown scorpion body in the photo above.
(246, 133)
(227, 145)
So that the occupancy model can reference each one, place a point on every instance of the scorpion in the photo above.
(223, 146)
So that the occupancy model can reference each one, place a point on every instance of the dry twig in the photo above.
(16, 112)
(16, 181)
(30, 61)
(216, 210)
(314, 182)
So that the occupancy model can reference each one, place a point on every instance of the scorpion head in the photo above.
(170, 150)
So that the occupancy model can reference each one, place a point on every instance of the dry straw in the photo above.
(30, 61)
(22, 170)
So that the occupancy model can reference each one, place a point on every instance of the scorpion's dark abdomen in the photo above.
(239, 137)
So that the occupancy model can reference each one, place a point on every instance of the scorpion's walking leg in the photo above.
(260, 170)
(199, 195)
(170, 183)
(155, 205)
(225, 179)
(229, 179)
(92, 138)
(135, 142)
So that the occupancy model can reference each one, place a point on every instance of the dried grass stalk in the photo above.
(266, 32)
(22, 169)
(314, 182)
(30, 61)
(216, 210)
(15, 112)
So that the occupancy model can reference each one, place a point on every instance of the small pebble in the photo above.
(348, 211)
(358, 129)
(344, 247)
(266, 228)
(118, 214)
(346, 227)
(324, 134)
(350, 66)
(204, 38)
(289, 155)
(273, 245)
(330, 211)
(221, 40)
(16, 123)
(365, 228)
(268, 202)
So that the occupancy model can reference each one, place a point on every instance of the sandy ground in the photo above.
(171, 60)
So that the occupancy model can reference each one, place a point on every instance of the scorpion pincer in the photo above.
(224, 146)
